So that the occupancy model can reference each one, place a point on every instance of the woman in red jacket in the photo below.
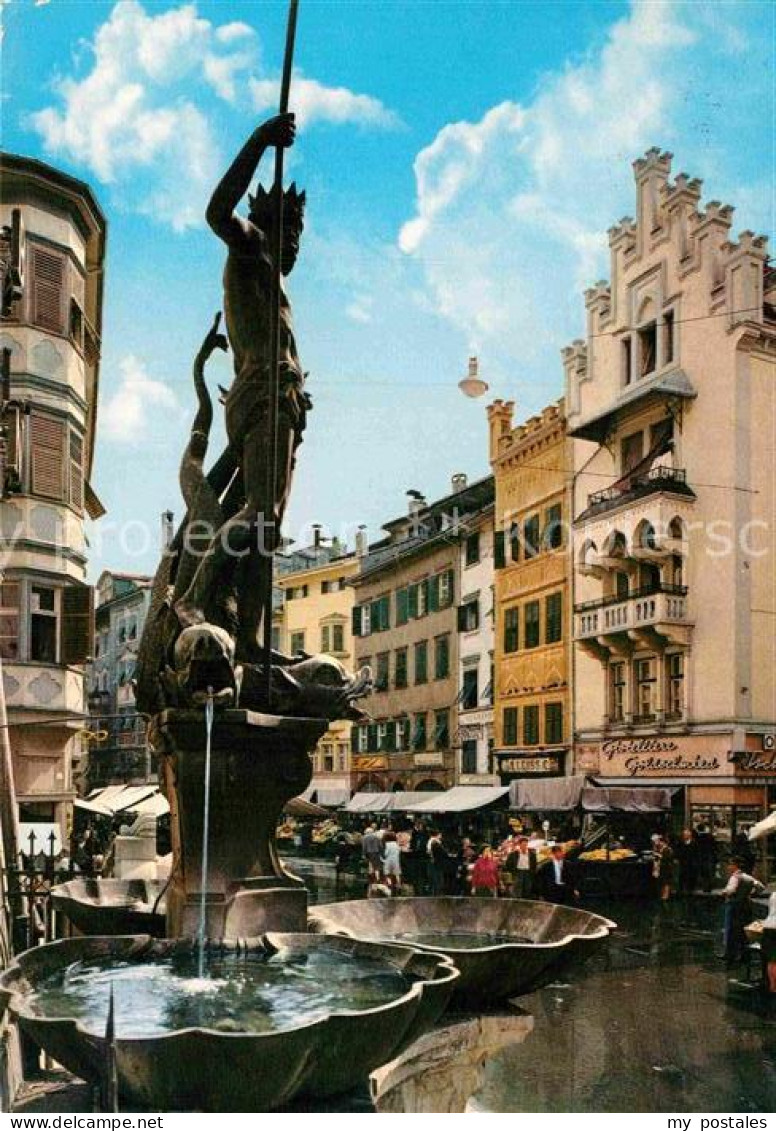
(485, 874)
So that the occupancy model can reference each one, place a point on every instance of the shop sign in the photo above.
(645, 757)
(755, 761)
(519, 766)
(366, 763)
(430, 758)
(587, 758)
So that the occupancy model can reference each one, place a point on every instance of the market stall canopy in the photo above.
(299, 807)
(764, 827)
(549, 795)
(332, 798)
(639, 799)
(399, 802)
(141, 799)
(461, 799)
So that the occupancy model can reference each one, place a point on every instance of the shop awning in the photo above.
(399, 802)
(461, 799)
(551, 795)
(145, 799)
(298, 807)
(639, 799)
(332, 798)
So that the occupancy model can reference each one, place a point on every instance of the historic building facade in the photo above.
(473, 740)
(315, 615)
(532, 706)
(405, 622)
(121, 754)
(670, 403)
(52, 248)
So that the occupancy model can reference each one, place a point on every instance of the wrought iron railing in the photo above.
(634, 594)
(656, 479)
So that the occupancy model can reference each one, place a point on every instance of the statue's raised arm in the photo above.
(220, 215)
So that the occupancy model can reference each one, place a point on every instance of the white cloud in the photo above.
(313, 102)
(512, 210)
(126, 414)
(135, 118)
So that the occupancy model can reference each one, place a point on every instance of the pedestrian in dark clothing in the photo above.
(687, 861)
(707, 857)
(556, 879)
(663, 868)
(521, 866)
(437, 863)
(744, 851)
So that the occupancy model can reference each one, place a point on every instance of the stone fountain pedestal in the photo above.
(258, 763)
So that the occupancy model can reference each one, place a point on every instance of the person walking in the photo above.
(373, 852)
(556, 878)
(485, 874)
(663, 868)
(521, 866)
(707, 857)
(738, 909)
(687, 861)
(392, 862)
(437, 863)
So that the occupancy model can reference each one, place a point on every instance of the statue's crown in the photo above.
(293, 201)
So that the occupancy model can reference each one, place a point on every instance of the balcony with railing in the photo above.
(660, 609)
(671, 480)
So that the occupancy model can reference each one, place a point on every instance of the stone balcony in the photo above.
(51, 688)
(648, 618)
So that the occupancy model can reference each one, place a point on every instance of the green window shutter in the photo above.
(531, 634)
(499, 555)
(402, 606)
(510, 726)
(356, 620)
(390, 738)
(433, 593)
(512, 630)
(426, 586)
(412, 601)
(385, 612)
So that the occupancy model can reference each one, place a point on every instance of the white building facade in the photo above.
(474, 737)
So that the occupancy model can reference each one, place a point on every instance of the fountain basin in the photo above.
(505, 947)
(205, 1069)
(112, 907)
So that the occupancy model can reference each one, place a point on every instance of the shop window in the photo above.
(421, 662)
(531, 540)
(10, 594)
(297, 643)
(470, 695)
(469, 616)
(511, 629)
(419, 736)
(510, 726)
(441, 729)
(647, 339)
(44, 623)
(400, 680)
(531, 725)
(472, 550)
(532, 634)
(675, 688)
(442, 657)
(553, 618)
(645, 690)
(617, 685)
(553, 723)
(382, 673)
(469, 756)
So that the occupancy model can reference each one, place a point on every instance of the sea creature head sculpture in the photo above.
(203, 665)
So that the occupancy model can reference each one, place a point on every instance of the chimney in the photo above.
(168, 533)
(416, 503)
(362, 544)
(317, 535)
(459, 482)
(337, 548)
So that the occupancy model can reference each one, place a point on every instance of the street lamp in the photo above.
(472, 384)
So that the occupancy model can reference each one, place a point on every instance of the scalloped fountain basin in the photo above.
(112, 907)
(502, 947)
(273, 1018)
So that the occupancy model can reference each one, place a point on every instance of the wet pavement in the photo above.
(656, 1024)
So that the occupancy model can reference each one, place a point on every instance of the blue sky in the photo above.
(462, 161)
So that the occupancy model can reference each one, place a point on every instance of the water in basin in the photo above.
(238, 993)
(456, 940)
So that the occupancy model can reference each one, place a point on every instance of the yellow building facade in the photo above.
(532, 703)
(315, 616)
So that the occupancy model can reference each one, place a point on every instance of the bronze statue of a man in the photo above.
(248, 309)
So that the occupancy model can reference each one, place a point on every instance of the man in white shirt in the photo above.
(557, 880)
(738, 909)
